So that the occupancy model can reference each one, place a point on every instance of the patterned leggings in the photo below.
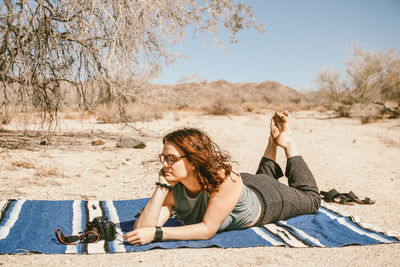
(279, 201)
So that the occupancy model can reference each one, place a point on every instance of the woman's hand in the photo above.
(140, 236)
(161, 178)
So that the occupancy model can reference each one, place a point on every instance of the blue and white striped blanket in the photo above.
(29, 226)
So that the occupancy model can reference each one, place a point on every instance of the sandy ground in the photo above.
(342, 154)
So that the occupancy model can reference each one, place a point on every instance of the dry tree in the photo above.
(371, 77)
(106, 50)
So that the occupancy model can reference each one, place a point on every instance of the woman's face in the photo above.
(179, 170)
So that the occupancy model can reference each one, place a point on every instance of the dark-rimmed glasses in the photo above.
(170, 159)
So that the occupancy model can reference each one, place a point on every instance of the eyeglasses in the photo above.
(170, 159)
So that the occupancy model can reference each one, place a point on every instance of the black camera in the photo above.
(100, 229)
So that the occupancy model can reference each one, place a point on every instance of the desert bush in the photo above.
(144, 112)
(22, 164)
(296, 100)
(369, 119)
(253, 106)
(133, 112)
(342, 110)
(5, 117)
(106, 113)
(291, 107)
(220, 107)
(371, 77)
(248, 106)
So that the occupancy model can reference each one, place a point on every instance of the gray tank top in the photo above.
(192, 210)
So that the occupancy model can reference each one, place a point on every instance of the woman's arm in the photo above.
(159, 207)
(157, 210)
(154, 214)
(145, 235)
(219, 207)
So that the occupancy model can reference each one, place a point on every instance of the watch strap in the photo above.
(159, 234)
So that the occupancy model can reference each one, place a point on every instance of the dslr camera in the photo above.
(100, 229)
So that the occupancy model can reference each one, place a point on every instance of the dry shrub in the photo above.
(367, 113)
(129, 113)
(369, 119)
(295, 100)
(371, 77)
(342, 111)
(25, 118)
(291, 107)
(253, 106)
(76, 115)
(7, 112)
(22, 164)
(319, 108)
(69, 116)
(389, 109)
(144, 112)
(319, 98)
(107, 113)
(5, 118)
(220, 107)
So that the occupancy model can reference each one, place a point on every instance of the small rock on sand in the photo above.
(126, 141)
(98, 142)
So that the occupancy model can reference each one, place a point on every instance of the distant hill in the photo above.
(182, 95)
(201, 93)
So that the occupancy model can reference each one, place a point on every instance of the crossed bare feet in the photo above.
(280, 131)
(280, 135)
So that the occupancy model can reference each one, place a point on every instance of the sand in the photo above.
(342, 154)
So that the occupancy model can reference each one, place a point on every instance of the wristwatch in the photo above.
(159, 234)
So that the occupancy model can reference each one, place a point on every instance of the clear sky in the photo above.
(301, 37)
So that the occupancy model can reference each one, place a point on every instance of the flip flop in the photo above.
(334, 196)
(355, 198)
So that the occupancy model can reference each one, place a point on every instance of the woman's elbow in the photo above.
(209, 235)
(209, 232)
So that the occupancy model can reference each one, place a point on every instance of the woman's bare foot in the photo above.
(281, 134)
(280, 131)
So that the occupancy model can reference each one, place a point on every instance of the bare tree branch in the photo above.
(44, 42)
(395, 113)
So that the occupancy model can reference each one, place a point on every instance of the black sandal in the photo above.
(334, 196)
(355, 198)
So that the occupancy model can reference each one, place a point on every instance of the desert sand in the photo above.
(342, 153)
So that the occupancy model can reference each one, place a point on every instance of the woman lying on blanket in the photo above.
(198, 182)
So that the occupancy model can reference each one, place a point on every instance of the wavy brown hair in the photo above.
(205, 155)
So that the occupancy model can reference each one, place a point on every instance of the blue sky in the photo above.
(301, 37)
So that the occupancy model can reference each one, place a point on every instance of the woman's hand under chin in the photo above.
(163, 180)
